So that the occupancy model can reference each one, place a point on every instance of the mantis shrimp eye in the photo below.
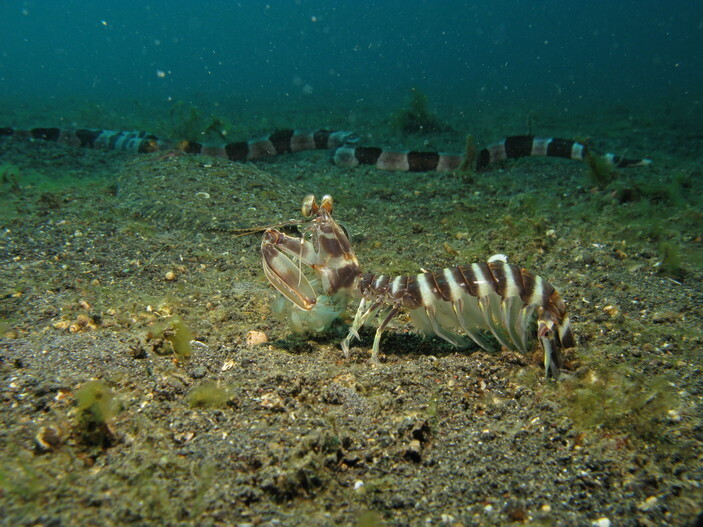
(310, 206)
(327, 203)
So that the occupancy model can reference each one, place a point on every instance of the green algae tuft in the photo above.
(208, 394)
(670, 255)
(618, 400)
(600, 171)
(171, 335)
(94, 399)
(96, 410)
(416, 118)
(467, 167)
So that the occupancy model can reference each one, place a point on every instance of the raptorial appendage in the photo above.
(492, 304)
(328, 252)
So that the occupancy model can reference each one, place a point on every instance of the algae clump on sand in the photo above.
(175, 337)
(600, 171)
(670, 255)
(189, 122)
(96, 408)
(615, 398)
(208, 394)
(416, 117)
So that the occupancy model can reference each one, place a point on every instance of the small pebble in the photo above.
(271, 401)
(613, 311)
(648, 504)
(620, 255)
(674, 416)
(256, 338)
(61, 324)
(601, 522)
(47, 438)
(198, 372)
(665, 316)
(170, 276)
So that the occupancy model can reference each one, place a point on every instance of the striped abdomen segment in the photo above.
(473, 300)
(280, 142)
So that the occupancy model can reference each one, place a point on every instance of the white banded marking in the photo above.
(428, 292)
(379, 280)
(537, 296)
(577, 151)
(457, 289)
(484, 287)
(540, 146)
(395, 285)
(511, 287)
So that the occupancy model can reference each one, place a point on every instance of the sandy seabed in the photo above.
(144, 378)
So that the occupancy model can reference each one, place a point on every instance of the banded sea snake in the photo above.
(342, 145)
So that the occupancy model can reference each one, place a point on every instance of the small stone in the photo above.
(198, 372)
(227, 365)
(648, 504)
(62, 324)
(170, 276)
(588, 258)
(256, 338)
(613, 311)
(84, 320)
(601, 522)
(272, 402)
(665, 316)
(47, 438)
(620, 255)
(183, 437)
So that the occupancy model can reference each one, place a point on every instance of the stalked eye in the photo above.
(327, 203)
(309, 206)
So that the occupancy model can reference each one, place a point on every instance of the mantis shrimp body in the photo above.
(482, 302)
